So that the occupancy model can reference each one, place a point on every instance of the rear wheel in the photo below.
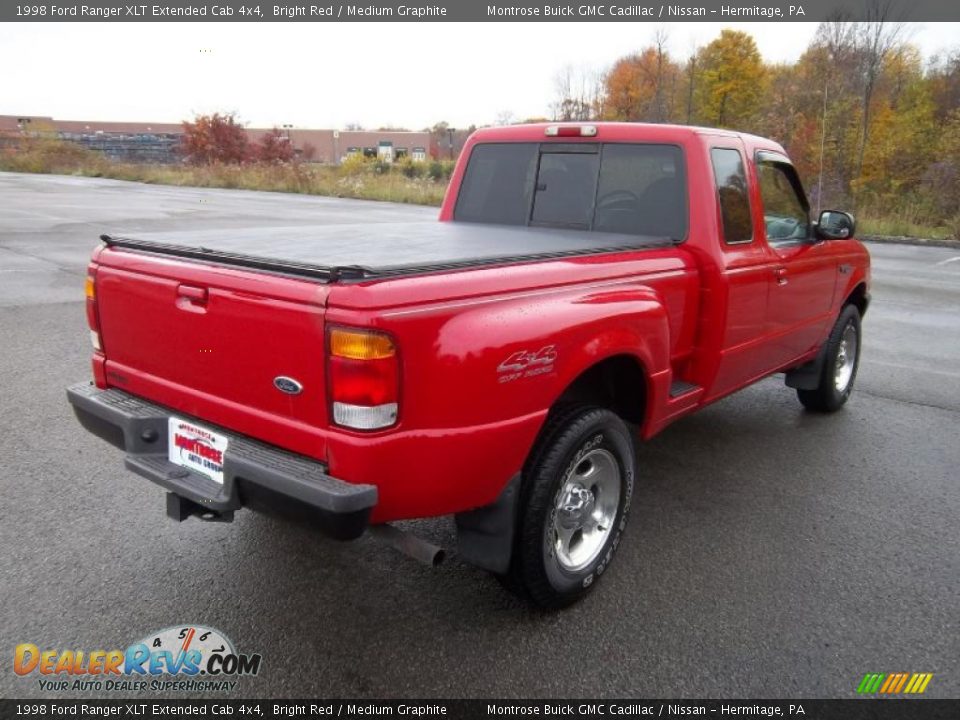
(575, 500)
(840, 365)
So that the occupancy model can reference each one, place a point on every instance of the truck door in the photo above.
(800, 299)
(743, 284)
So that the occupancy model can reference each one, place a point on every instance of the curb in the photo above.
(904, 240)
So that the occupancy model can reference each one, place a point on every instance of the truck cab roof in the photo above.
(617, 132)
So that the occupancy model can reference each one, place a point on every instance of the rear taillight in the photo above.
(93, 321)
(363, 376)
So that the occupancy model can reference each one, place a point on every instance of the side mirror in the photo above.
(835, 225)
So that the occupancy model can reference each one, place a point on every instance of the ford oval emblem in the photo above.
(287, 385)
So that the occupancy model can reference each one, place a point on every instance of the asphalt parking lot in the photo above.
(771, 552)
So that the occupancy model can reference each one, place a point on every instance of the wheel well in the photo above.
(617, 383)
(859, 298)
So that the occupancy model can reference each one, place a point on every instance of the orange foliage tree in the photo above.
(642, 87)
(869, 124)
(215, 139)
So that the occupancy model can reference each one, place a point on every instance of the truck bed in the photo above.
(364, 250)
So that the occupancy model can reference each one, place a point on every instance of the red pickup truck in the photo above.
(585, 286)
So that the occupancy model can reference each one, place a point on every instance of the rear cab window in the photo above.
(733, 194)
(633, 189)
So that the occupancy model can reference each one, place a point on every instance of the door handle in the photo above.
(191, 298)
(780, 274)
(196, 294)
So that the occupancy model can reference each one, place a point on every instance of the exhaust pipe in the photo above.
(409, 544)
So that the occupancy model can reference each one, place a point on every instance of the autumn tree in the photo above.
(903, 131)
(216, 138)
(825, 100)
(876, 39)
(944, 78)
(577, 94)
(730, 81)
(690, 85)
(665, 76)
(642, 86)
(445, 141)
(941, 181)
(274, 147)
(869, 127)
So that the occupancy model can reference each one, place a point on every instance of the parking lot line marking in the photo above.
(948, 260)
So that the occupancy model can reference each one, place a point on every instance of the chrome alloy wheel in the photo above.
(846, 358)
(584, 511)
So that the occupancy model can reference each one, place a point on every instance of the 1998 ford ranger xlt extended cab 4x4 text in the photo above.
(585, 286)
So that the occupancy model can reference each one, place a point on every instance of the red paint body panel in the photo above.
(208, 340)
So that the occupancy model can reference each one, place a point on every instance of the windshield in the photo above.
(629, 189)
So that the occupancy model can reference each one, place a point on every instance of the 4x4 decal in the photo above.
(525, 363)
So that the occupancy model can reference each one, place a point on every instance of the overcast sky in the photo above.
(328, 75)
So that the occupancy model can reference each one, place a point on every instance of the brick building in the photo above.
(159, 142)
(333, 146)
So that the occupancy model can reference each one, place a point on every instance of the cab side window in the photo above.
(731, 182)
(785, 213)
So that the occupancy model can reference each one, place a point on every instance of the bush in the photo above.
(440, 170)
(355, 164)
(411, 169)
(215, 139)
(357, 177)
(49, 155)
(274, 147)
(953, 226)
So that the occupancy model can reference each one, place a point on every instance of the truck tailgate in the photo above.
(210, 342)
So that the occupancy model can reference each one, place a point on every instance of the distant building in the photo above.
(334, 146)
(130, 142)
(160, 142)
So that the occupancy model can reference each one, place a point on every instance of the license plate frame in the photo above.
(195, 447)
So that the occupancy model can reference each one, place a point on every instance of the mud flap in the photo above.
(485, 535)
(807, 376)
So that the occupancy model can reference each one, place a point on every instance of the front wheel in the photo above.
(840, 365)
(575, 500)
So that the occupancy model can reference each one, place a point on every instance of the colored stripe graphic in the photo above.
(903, 681)
(894, 683)
(918, 683)
(870, 683)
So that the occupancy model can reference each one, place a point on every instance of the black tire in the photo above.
(576, 442)
(827, 397)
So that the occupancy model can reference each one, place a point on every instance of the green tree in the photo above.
(731, 81)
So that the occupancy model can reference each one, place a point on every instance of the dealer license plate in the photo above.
(196, 448)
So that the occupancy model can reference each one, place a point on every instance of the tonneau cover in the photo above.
(366, 250)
